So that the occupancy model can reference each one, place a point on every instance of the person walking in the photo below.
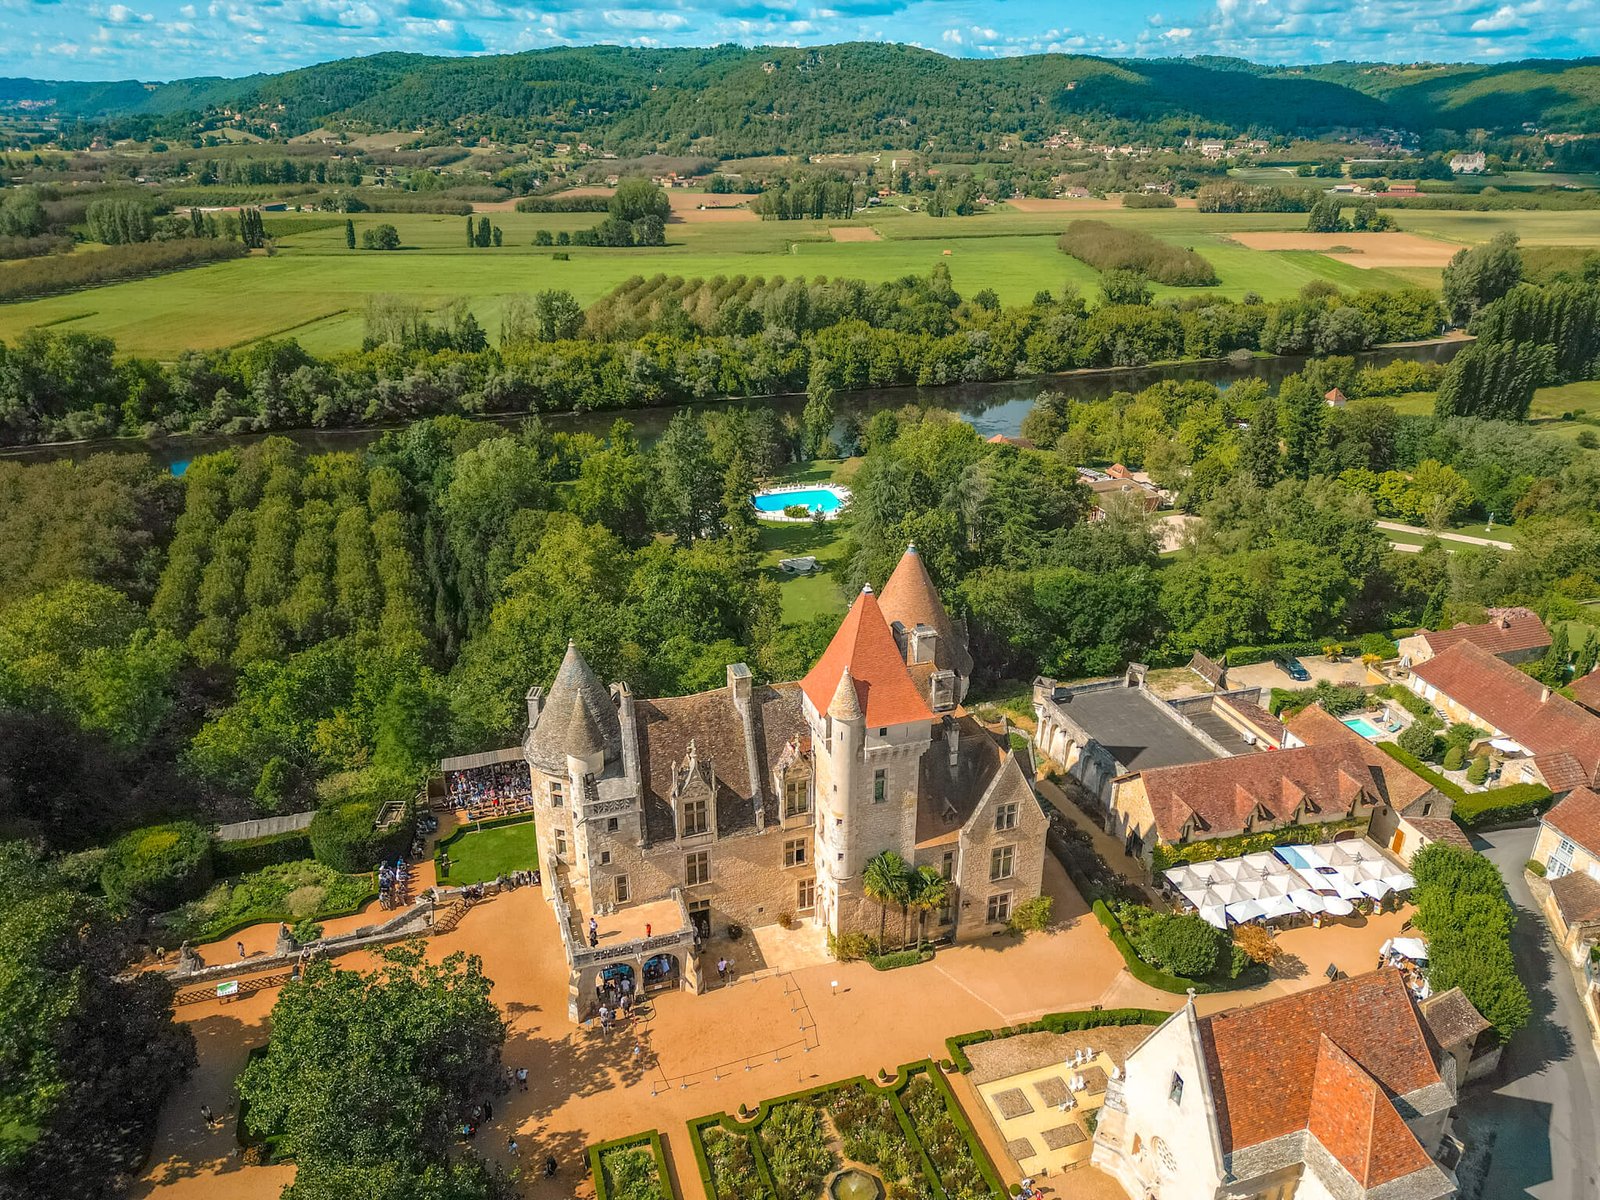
(206, 1115)
(241, 949)
(722, 969)
(511, 1145)
(522, 1079)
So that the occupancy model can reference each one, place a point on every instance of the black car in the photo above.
(1291, 667)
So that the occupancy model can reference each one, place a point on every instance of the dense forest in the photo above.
(731, 101)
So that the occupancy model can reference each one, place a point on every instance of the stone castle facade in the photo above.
(753, 804)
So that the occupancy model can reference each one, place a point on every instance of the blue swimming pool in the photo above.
(1364, 727)
(823, 500)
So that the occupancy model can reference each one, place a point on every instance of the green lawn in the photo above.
(478, 856)
(315, 289)
(821, 594)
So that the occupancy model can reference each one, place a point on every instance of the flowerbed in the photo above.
(910, 1131)
(284, 892)
(631, 1168)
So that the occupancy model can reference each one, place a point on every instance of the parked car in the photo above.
(1290, 666)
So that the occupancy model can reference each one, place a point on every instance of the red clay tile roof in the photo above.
(910, 598)
(1528, 712)
(1259, 718)
(1577, 896)
(1560, 771)
(1587, 690)
(1325, 779)
(1355, 1122)
(1021, 443)
(1577, 818)
(1507, 631)
(1299, 1063)
(866, 645)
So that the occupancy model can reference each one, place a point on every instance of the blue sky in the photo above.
(164, 39)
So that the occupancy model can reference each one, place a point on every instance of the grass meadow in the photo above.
(315, 289)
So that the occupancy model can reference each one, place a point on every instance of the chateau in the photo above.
(662, 823)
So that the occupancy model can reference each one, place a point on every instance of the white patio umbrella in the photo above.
(1307, 901)
(1278, 906)
(1346, 887)
(1267, 862)
(1375, 888)
(1338, 907)
(1401, 882)
(1245, 910)
(1215, 914)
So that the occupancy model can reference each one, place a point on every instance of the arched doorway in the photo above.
(662, 971)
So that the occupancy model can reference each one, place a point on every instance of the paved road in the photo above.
(1469, 539)
(1539, 1119)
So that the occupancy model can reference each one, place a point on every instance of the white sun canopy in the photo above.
(1308, 879)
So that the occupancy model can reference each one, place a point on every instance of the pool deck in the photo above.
(794, 493)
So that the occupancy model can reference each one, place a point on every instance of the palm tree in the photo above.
(929, 890)
(883, 879)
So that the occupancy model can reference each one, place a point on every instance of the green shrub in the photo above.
(1453, 758)
(289, 892)
(1164, 857)
(251, 854)
(1536, 867)
(1031, 915)
(159, 867)
(1475, 810)
(632, 1168)
(1479, 770)
(851, 947)
(343, 833)
(900, 958)
(1184, 944)
(1420, 739)
(1406, 699)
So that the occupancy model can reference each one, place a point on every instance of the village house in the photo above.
(1541, 735)
(1475, 163)
(1323, 773)
(1345, 1090)
(1514, 634)
(680, 819)
(1569, 836)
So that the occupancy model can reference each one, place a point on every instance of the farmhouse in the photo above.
(1514, 634)
(1344, 1090)
(750, 805)
(1324, 774)
(1545, 737)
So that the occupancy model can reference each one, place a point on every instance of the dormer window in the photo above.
(796, 796)
(695, 818)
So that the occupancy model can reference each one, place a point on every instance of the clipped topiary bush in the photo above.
(1453, 758)
(159, 867)
(343, 832)
(1182, 944)
(1479, 770)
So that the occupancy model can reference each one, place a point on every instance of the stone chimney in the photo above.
(952, 739)
(921, 644)
(1544, 695)
(535, 705)
(740, 684)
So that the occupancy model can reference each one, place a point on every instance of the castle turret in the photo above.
(924, 631)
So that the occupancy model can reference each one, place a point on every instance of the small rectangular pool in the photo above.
(1364, 727)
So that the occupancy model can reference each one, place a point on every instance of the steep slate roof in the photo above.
(560, 728)
(1507, 631)
(1577, 896)
(1329, 1060)
(665, 728)
(1542, 720)
(1577, 817)
(910, 598)
(1451, 1018)
(1329, 775)
(948, 795)
(865, 644)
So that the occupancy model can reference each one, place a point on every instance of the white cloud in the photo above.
(951, 37)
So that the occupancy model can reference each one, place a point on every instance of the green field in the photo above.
(315, 289)
(821, 594)
(482, 855)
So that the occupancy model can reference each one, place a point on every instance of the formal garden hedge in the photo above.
(1163, 857)
(158, 867)
(1382, 644)
(1479, 810)
(1061, 1022)
(631, 1168)
(343, 836)
(252, 854)
(911, 1130)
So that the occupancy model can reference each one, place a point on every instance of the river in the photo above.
(991, 408)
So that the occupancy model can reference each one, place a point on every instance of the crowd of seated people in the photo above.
(490, 791)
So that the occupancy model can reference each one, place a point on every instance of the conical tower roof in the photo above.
(864, 651)
(846, 704)
(562, 728)
(911, 599)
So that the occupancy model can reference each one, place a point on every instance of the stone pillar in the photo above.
(574, 994)
(691, 971)
(188, 960)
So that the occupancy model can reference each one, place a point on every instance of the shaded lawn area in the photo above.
(481, 855)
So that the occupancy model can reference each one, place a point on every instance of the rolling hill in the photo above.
(731, 100)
